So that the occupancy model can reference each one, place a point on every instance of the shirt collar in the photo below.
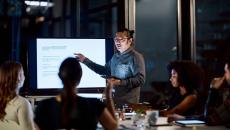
(127, 51)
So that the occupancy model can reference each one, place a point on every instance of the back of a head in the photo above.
(70, 72)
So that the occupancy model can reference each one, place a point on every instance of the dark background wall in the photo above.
(21, 24)
(156, 36)
(156, 30)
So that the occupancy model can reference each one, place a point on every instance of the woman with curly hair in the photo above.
(217, 106)
(15, 111)
(186, 78)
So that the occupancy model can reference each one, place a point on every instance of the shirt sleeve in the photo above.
(99, 69)
(25, 116)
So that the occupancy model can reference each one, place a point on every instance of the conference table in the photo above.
(163, 125)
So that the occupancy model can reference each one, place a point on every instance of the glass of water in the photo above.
(139, 120)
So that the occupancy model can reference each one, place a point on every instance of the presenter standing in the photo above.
(126, 68)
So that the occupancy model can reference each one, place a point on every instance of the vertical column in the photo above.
(193, 29)
(130, 14)
(179, 30)
(186, 30)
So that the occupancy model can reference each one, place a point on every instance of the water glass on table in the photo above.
(151, 117)
(139, 120)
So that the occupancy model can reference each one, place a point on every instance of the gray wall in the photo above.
(156, 36)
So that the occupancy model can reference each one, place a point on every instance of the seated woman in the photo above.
(186, 77)
(69, 111)
(217, 108)
(15, 111)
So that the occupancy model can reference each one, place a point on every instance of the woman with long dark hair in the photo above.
(15, 111)
(69, 111)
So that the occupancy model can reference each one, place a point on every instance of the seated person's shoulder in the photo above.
(190, 98)
(19, 100)
(90, 101)
(47, 102)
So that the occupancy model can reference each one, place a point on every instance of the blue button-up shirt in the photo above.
(128, 66)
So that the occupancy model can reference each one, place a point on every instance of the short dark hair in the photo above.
(129, 32)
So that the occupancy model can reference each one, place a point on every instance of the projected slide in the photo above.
(51, 52)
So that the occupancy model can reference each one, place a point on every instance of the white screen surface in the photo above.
(51, 52)
(91, 95)
(190, 122)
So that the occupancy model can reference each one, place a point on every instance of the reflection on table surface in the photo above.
(162, 125)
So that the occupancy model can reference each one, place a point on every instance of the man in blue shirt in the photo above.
(126, 69)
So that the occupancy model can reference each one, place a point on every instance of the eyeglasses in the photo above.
(120, 39)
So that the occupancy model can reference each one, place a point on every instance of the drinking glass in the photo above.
(139, 120)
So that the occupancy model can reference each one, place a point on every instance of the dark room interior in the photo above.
(164, 31)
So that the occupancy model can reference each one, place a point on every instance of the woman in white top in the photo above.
(15, 111)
